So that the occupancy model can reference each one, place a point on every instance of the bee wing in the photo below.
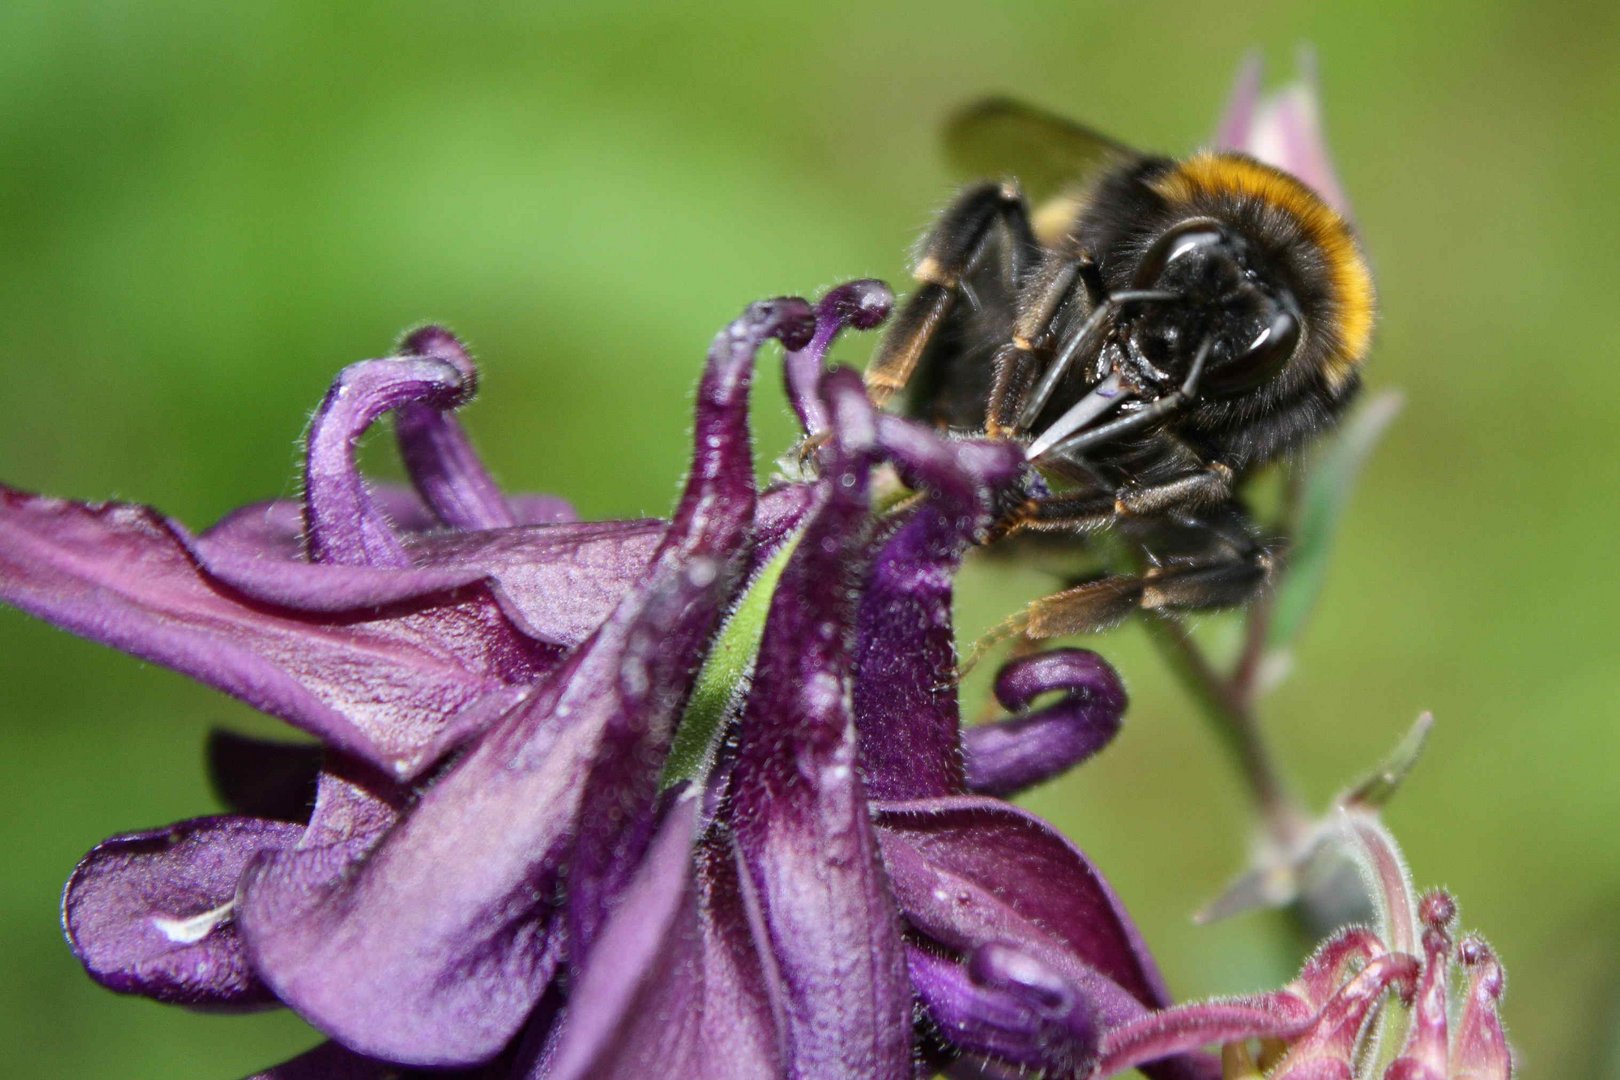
(1000, 137)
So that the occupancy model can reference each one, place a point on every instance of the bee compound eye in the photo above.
(1267, 354)
(1185, 239)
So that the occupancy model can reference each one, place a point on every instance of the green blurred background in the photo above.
(206, 209)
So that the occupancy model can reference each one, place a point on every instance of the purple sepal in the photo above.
(1027, 748)
(676, 985)
(798, 810)
(1007, 1005)
(436, 949)
(151, 913)
(378, 683)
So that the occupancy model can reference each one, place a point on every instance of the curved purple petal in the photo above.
(341, 524)
(861, 304)
(798, 809)
(1283, 129)
(377, 683)
(152, 913)
(905, 647)
(436, 949)
(969, 871)
(675, 985)
(1008, 1006)
(1027, 748)
(438, 456)
(1234, 132)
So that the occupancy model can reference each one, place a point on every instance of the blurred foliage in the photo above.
(206, 209)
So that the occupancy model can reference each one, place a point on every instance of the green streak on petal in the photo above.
(724, 676)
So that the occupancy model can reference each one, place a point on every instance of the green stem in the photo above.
(1234, 720)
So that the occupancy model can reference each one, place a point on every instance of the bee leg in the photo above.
(1201, 561)
(952, 248)
(1016, 362)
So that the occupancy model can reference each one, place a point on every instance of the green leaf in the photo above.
(1327, 492)
(724, 676)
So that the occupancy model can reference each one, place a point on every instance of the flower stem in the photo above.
(1229, 705)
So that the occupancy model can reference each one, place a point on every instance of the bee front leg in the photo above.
(955, 244)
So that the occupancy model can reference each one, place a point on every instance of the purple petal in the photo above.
(381, 684)
(1008, 1006)
(341, 524)
(798, 809)
(1025, 749)
(675, 986)
(861, 304)
(437, 948)
(262, 778)
(152, 913)
(1332, 1037)
(905, 649)
(969, 871)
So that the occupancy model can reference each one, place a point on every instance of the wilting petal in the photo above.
(676, 985)
(380, 684)
(1011, 755)
(1329, 1043)
(798, 809)
(1009, 1006)
(436, 950)
(152, 913)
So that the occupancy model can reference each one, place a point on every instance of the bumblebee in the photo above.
(1154, 332)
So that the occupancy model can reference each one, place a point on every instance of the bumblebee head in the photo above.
(1258, 272)
(1221, 299)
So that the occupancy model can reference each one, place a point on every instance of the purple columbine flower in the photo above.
(506, 872)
